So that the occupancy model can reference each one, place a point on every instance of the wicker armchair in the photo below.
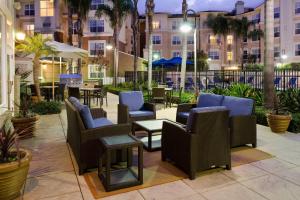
(84, 141)
(204, 143)
(133, 108)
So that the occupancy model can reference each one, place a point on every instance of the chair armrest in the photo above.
(173, 129)
(123, 114)
(96, 133)
(150, 107)
(185, 107)
(243, 121)
(98, 113)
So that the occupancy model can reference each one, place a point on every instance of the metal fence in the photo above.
(284, 79)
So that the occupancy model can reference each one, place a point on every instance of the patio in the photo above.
(53, 171)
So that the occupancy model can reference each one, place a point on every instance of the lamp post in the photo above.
(186, 28)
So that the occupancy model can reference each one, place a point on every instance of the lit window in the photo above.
(176, 40)
(48, 36)
(297, 8)
(96, 48)
(212, 39)
(156, 25)
(96, 26)
(277, 31)
(96, 3)
(214, 55)
(95, 72)
(176, 54)
(229, 56)
(277, 13)
(47, 8)
(229, 39)
(297, 28)
(29, 29)
(190, 40)
(29, 10)
(156, 39)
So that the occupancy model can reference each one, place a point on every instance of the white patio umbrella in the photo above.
(65, 51)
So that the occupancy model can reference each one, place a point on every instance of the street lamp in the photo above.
(284, 57)
(155, 56)
(20, 36)
(186, 28)
(109, 47)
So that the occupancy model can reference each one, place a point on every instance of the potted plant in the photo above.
(278, 119)
(14, 162)
(25, 121)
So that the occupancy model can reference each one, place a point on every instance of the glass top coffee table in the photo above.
(153, 128)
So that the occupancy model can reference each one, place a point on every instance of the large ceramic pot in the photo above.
(279, 123)
(13, 176)
(25, 126)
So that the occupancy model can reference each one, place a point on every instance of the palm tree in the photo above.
(256, 33)
(220, 25)
(269, 89)
(116, 14)
(36, 46)
(149, 13)
(135, 31)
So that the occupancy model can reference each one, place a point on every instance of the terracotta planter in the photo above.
(13, 176)
(26, 123)
(279, 123)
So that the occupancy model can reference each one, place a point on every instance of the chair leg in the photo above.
(228, 167)
(254, 145)
(192, 175)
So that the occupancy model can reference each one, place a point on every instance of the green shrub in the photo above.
(290, 100)
(261, 117)
(44, 107)
(295, 123)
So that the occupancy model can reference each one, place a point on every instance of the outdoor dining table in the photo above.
(168, 91)
(48, 89)
(87, 94)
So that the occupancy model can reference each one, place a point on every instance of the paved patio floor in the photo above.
(53, 173)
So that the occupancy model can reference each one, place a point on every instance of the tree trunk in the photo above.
(150, 59)
(36, 75)
(70, 28)
(269, 91)
(116, 56)
(183, 63)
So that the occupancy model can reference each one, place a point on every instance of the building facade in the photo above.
(227, 53)
(7, 70)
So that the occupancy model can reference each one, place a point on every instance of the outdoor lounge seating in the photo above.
(132, 107)
(242, 121)
(85, 127)
(203, 144)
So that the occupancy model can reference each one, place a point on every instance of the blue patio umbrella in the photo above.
(177, 61)
(161, 63)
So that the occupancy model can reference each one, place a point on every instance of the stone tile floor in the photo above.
(53, 172)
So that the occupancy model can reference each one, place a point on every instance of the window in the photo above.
(297, 50)
(213, 39)
(229, 56)
(245, 39)
(214, 55)
(29, 29)
(156, 25)
(190, 40)
(297, 8)
(47, 8)
(156, 39)
(96, 48)
(174, 25)
(255, 38)
(96, 26)
(75, 28)
(176, 54)
(256, 53)
(190, 55)
(245, 55)
(156, 55)
(229, 39)
(277, 31)
(176, 40)
(95, 72)
(29, 10)
(96, 3)
(276, 52)
(297, 28)
(277, 13)
(256, 18)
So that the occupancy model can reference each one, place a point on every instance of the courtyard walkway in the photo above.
(53, 173)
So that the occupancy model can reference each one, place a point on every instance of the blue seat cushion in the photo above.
(208, 100)
(100, 122)
(238, 106)
(184, 114)
(201, 110)
(140, 113)
(86, 117)
(73, 100)
(134, 100)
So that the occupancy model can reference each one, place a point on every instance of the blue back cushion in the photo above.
(202, 110)
(238, 106)
(73, 100)
(208, 100)
(134, 100)
(86, 117)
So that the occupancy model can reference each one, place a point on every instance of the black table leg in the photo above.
(150, 141)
